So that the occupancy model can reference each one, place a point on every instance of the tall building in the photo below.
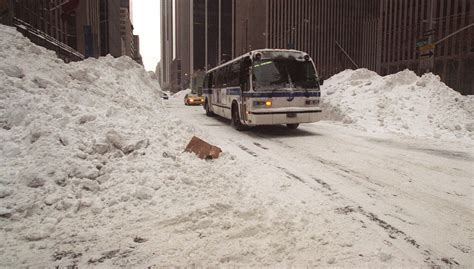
(167, 47)
(385, 36)
(338, 34)
(4, 12)
(48, 24)
(74, 29)
(196, 36)
(87, 15)
(110, 36)
(403, 24)
(126, 31)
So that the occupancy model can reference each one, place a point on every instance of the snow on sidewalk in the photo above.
(86, 150)
(401, 103)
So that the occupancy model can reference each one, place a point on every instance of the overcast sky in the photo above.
(146, 23)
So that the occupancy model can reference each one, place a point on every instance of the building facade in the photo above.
(196, 36)
(380, 35)
(87, 15)
(403, 24)
(75, 29)
(126, 32)
(110, 36)
(167, 47)
(338, 34)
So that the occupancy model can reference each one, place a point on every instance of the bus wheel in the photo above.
(292, 126)
(209, 113)
(236, 118)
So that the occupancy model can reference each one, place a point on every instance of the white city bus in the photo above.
(264, 87)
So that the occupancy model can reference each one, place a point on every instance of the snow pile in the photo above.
(87, 150)
(401, 103)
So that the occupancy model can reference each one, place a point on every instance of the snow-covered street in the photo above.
(93, 173)
(414, 195)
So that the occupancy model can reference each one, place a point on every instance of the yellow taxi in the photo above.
(192, 99)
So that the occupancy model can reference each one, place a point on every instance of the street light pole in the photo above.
(431, 35)
(454, 33)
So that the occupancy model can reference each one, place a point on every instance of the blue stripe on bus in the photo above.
(282, 94)
(236, 91)
(233, 91)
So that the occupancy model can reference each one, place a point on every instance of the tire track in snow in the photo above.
(393, 232)
(431, 259)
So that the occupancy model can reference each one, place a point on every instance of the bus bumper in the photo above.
(289, 117)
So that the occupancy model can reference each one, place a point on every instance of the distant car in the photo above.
(193, 99)
(165, 96)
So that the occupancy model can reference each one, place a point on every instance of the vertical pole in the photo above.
(191, 42)
(205, 35)
(431, 36)
(267, 26)
(219, 42)
(233, 29)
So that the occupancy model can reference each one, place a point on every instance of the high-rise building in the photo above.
(381, 35)
(338, 34)
(110, 36)
(87, 17)
(167, 44)
(197, 35)
(48, 24)
(429, 35)
(75, 29)
(4, 18)
(126, 31)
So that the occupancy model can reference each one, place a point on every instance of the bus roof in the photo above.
(251, 53)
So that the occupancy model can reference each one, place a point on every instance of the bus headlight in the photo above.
(267, 103)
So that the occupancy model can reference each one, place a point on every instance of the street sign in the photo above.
(422, 42)
(426, 50)
(427, 55)
(427, 47)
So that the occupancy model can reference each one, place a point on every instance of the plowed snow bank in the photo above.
(402, 103)
(87, 150)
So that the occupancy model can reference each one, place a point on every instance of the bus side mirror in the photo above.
(321, 82)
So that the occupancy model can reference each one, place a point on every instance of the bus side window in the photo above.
(234, 74)
(225, 76)
(244, 74)
(217, 79)
(211, 81)
(205, 84)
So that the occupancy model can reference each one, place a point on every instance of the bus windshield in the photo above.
(273, 74)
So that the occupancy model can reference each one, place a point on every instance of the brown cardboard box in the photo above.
(203, 149)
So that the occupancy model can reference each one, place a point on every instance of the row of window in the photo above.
(227, 76)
